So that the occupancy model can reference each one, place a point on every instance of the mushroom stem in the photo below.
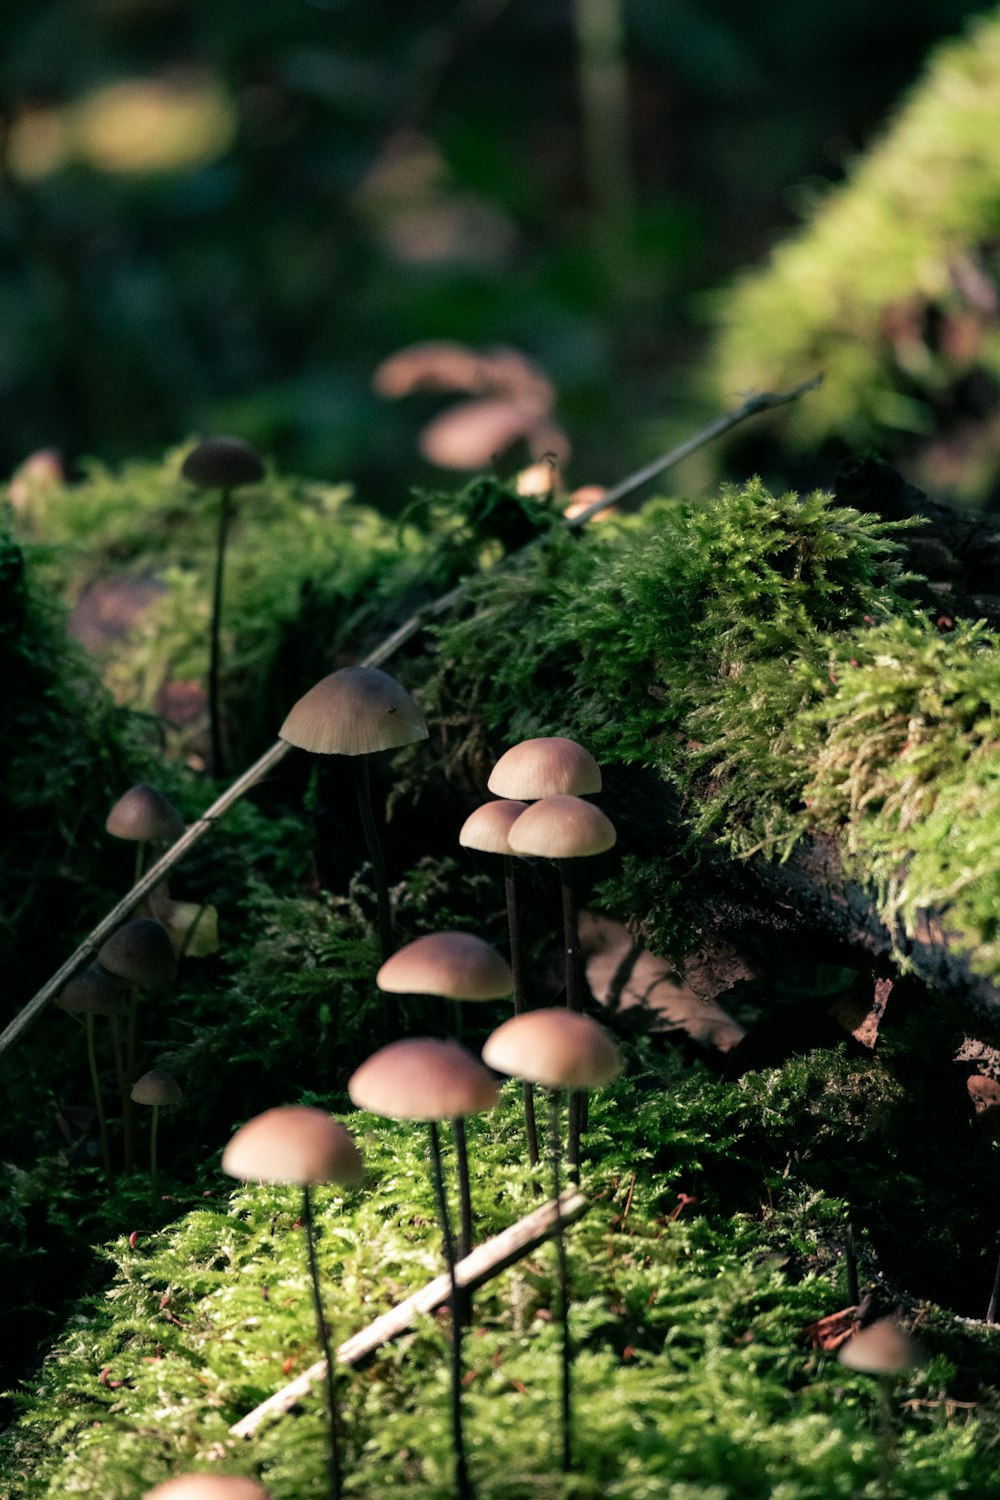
(463, 1486)
(574, 1002)
(218, 759)
(464, 1187)
(886, 1437)
(152, 1150)
(331, 1369)
(560, 1244)
(851, 1266)
(140, 861)
(991, 1311)
(131, 1070)
(384, 911)
(98, 1101)
(517, 969)
(116, 1042)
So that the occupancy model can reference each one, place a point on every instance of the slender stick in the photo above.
(98, 1101)
(463, 1486)
(324, 1339)
(152, 1150)
(574, 1002)
(517, 969)
(560, 1242)
(991, 1311)
(362, 767)
(214, 715)
(387, 648)
(851, 1260)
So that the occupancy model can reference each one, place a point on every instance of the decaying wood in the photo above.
(413, 626)
(485, 1262)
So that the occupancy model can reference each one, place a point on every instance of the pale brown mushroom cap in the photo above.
(421, 1078)
(458, 965)
(558, 1048)
(562, 828)
(293, 1143)
(140, 952)
(223, 463)
(355, 711)
(208, 1487)
(545, 767)
(92, 992)
(487, 828)
(881, 1349)
(142, 814)
(156, 1087)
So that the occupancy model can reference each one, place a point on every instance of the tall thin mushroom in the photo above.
(305, 1146)
(224, 464)
(140, 953)
(91, 994)
(565, 828)
(883, 1349)
(457, 966)
(157, 1090)
(142, 816)
(359, 711)
(422, 1078)
(486, 830)
(560, 1050)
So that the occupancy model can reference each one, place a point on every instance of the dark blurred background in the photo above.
(221, 216)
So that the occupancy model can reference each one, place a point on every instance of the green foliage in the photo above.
(882, 289)
(693, 1377)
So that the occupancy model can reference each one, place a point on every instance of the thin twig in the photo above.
(405, 632)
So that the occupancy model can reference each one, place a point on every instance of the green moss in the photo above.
(875, 252)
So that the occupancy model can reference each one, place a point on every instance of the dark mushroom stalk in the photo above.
(223, 464)
(426, 1079)
(306, 1146)
(486, 830)
(159, 1091)
(558, 1049)
(92, 994)
(565, 828)
(461, 967)
(883, 1350)
(140, 954)
(359, 711)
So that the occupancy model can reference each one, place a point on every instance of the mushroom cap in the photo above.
(487, 828)
(140, 952)
(223, 463)
(557, 1047)
(294, 1143)
(545, 767)
(456, 964)
(422, 1078)
(355, 711)
(156, 1087)
(562, 827)
(143, 813)
(93, 992)
(881, 1349)
(208, 1487)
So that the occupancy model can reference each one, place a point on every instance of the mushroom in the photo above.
(422, 1078)
(140, 953)
(883, 1349)
(208, 1487)
(563, 828)
(91, 994)
(144, 816)
(305, 1146)
(224, 464)
(486, 830)
(545, 767)
(359, 711)
(561, 1050)
(458, 966)
(159, 1091)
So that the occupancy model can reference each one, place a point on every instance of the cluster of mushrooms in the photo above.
(541, 810)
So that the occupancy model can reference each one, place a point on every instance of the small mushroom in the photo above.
(141, 954)
(144, 816)
(487, 830)
(458, 966)
(224, 464)
(421, 1078)
(545, 767)
(561, 1050)
(208, 1487)
(883, 1349)
(305, 1146)
(158, 1090)
(359, 711)
(91, 994)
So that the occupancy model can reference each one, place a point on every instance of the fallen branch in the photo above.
(272, 757)
(485, 1262)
